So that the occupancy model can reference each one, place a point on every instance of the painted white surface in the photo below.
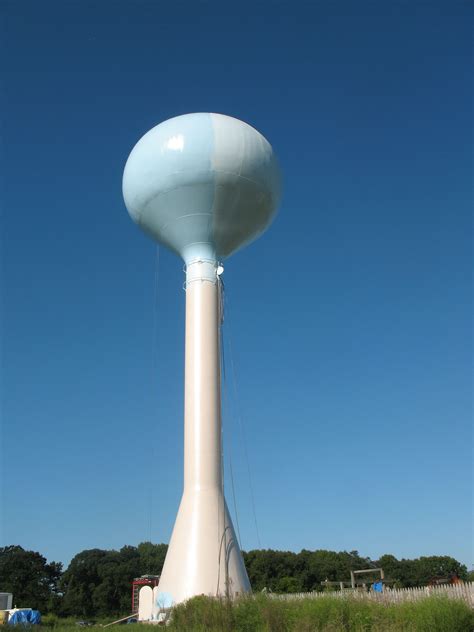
(155, 609)
(203, 555)
(145, 603)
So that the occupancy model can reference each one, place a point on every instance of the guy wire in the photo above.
(227, 409)
(241, 424)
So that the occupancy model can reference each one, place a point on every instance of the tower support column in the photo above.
(203, 555)
(202, 396)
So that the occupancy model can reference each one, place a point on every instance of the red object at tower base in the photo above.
(139, 582)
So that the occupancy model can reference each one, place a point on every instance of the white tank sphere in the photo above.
(203, 185)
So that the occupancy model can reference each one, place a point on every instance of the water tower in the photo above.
(203, 185)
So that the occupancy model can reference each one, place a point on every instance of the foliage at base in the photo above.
(264, 614)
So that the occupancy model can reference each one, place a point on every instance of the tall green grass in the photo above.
(263, 614)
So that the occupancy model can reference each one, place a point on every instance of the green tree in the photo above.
(99, 583)
(418, 572)
(152, 557)
(394, 569)
(265, 568)
(272, 569)
(425, 568)
(288, 585)
(79, 582)
(30, 578)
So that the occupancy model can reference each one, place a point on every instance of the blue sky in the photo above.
(349, 320)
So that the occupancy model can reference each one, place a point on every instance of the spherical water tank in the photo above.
(204, 185)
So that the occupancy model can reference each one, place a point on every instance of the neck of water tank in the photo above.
(202, 413)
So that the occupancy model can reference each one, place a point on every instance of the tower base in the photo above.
(203, 557)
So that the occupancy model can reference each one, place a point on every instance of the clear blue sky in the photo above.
(349, 320)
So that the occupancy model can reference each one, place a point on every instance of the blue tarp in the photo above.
(25, 617)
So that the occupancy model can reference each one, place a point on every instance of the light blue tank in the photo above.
(204, 185)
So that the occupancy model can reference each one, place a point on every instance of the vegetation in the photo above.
(30, 578)
(97, 583)
(325, 614)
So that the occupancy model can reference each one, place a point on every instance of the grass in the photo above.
(262, 614)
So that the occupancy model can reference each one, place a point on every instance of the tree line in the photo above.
(97, 582)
